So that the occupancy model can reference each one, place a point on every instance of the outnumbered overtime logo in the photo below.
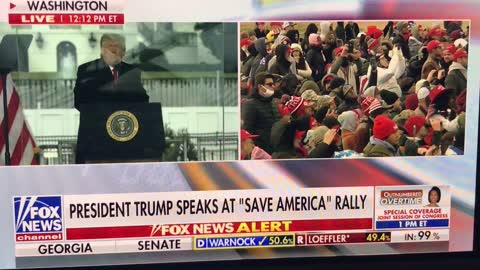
(38, 218)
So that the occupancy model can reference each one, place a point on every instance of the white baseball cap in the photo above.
(287, 24)
(423, 93)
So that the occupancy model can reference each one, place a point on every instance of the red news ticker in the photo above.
(94, 18)
(145, 231)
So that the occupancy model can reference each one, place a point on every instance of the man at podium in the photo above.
(117, 122)
(108, 79)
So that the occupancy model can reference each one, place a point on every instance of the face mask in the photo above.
(268, 92)
(344, 62)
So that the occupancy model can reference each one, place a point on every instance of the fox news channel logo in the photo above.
(38, 218)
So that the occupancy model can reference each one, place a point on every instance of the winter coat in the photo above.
(260, 34)
(403, 45)
(258, 118)
(456, 78)
(260, 63)
(430, 65)
(349, 73)
(247, 66)
(348, 105)
(323, 150)
(316, 61)
(387, 78)
(351, 31)
(350, 141)
(282, 65)
(379, 148)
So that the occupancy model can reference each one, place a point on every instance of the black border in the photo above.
(451, 260)
(448, 260)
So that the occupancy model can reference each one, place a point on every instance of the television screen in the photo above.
(134, 133)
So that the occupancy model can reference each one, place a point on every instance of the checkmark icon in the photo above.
(260, 243)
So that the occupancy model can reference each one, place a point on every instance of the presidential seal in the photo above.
(122, 126)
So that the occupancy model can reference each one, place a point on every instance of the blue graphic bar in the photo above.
(236, 242)
(412, 224)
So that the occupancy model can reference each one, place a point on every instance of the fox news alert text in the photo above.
(89, 224)
(155, 222)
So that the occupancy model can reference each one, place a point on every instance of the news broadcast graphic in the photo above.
(412, 208)
(38, 218)
(28, 12)
(321, 239)
(209, 220)
(162, 44)
(236, 242)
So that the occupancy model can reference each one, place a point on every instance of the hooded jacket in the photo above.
(351, 31)
(258, 117)
(316, 60)
(309, 85)
(350, 140)
(403, 42)
(322, 82)
(456, 78)
(260, 63)
(283, 135)
(246, 66)
(311, 29)
(282, 64)
(414, 44)
(303, 69)
(349, 73)
(379, 148)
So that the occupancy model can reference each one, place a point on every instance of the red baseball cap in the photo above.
(432, 45)
(459, 54)
(276, 24)
(245, 42)
(437, 32)
(437, 91)
(374, 32)
(450, 49)
(246, 135)
(414, 123)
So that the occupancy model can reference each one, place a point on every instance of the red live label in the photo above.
(66, 18)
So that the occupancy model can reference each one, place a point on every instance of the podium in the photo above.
(127, 132)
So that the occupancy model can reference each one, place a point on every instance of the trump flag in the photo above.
(20, 140)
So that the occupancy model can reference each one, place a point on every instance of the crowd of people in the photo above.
(336, 91)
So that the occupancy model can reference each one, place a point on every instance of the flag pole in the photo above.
(3, 74)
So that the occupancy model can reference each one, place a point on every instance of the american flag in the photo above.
(21, 141)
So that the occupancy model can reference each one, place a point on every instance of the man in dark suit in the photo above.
(108, 79)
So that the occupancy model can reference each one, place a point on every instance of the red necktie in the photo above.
(115, 74)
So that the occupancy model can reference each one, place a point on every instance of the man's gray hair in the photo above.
(112, 37)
